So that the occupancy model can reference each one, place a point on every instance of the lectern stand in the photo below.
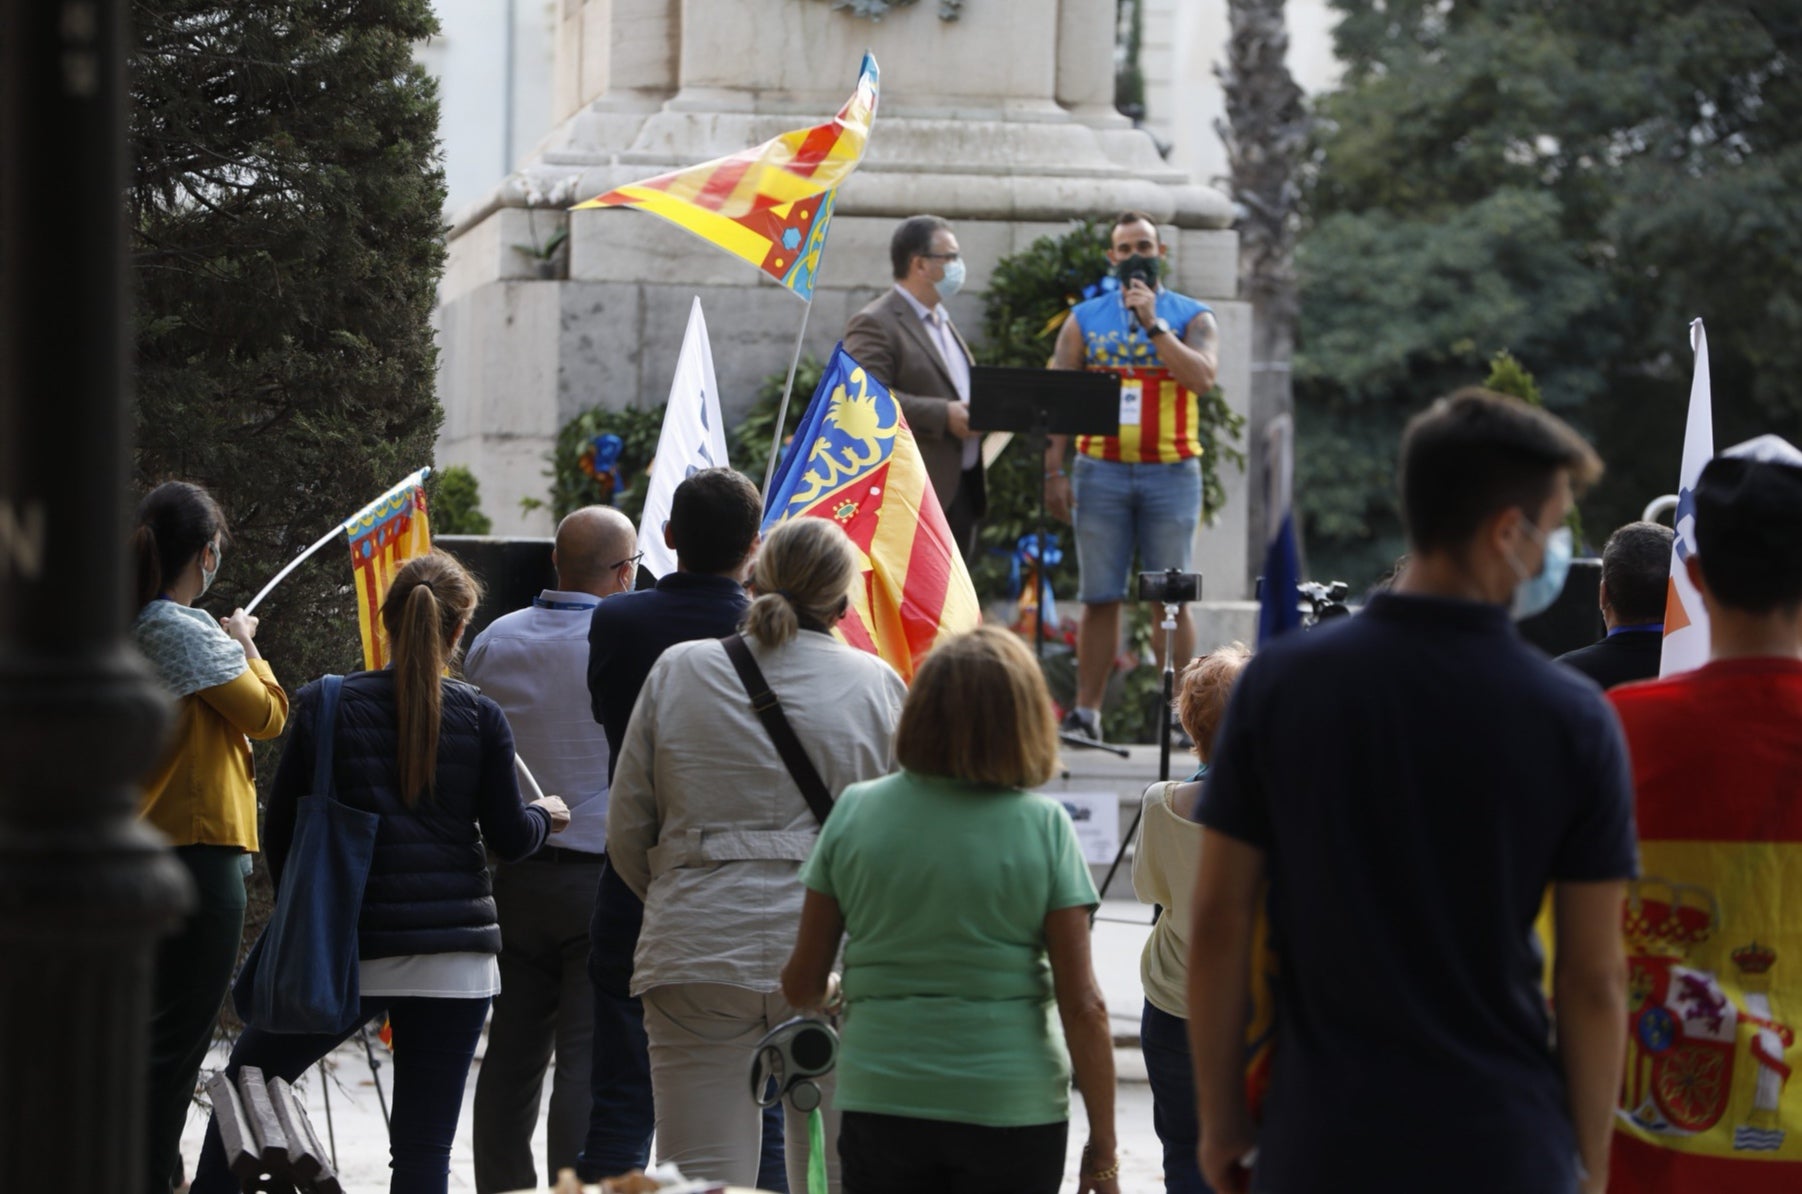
(1038, 403)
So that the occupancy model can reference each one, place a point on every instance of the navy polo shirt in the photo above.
(1417, 775)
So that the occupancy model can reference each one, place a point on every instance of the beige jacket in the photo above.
(705, 823)
(1164, 870)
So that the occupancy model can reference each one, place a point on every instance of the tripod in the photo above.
(1168, 626)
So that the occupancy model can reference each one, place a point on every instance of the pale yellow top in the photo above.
(204, 790)
(1164, 870)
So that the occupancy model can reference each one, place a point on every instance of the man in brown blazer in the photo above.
(908, 343)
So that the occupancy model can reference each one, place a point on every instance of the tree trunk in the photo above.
(1266, 132)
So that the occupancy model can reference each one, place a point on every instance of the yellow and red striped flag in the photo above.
(770, 204)
(384, 535)
(854, 460)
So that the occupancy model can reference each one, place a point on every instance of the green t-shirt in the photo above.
(945, 888)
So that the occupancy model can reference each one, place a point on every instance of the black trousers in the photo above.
(964, 514)
(897, 1154)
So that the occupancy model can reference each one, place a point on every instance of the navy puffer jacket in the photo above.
(428, 889)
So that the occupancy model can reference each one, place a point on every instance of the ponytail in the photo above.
(148, 569)
(772, 620)
(432, 595)
(419, 649)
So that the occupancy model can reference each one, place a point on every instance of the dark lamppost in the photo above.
(84, 890)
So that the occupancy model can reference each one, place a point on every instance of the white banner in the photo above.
(1685, 621)
(693, 438)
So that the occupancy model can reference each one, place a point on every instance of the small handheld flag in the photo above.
(855, 461)
(384, 535)
(770, 204)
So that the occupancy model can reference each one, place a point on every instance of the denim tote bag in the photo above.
(301, 975)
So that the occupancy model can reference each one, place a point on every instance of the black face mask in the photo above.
(1146, 269)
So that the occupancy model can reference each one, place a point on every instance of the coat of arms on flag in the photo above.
(854, 461)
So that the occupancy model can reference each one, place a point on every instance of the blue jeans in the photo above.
(434, 1040)
(1119, 506)
(623, 1113)
(1164, 1039)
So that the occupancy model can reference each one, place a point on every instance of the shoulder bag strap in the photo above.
(326, 731)
(769, 712)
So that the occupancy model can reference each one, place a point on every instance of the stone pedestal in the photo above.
(1001, 122)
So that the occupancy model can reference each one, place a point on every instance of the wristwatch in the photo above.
(1160, 328)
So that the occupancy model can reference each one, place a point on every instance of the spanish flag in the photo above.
(1714, 989)
(769, 204)
(854, 460)
(384, 535)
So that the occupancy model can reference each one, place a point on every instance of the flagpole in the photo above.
(769, 470)
(413, 478)
(296, 562)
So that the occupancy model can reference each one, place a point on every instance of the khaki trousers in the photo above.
(702, 1039)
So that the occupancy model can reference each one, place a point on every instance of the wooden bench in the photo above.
(269, 1144)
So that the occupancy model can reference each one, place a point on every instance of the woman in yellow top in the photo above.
(202, 796)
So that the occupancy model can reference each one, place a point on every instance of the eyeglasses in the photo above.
(632, 560)
(941, 256)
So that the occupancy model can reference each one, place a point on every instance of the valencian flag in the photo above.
(768, 204)
(1685, 620)
(384, 535)
(854, 460)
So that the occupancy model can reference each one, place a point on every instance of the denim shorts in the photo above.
(1153, 507)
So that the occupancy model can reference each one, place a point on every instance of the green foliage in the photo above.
(748, 445)
(286, 233)
(1571, 183)
(574, 483)
(1508, 376)
(285, 219)
(456, 503)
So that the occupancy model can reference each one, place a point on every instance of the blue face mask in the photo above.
(1535, 594)
(953, 281)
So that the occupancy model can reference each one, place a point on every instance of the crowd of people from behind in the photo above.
(1343, 986)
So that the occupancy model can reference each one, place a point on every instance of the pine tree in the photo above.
(285, 209)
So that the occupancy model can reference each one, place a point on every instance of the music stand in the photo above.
(1038, 403)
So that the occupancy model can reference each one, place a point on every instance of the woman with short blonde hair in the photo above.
(966, 900)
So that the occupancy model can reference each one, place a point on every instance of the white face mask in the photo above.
(207, 574)
(953, 281)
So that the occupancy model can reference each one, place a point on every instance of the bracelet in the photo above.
(1103, 1175)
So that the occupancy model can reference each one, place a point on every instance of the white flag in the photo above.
(1685, 621)
(692, 439)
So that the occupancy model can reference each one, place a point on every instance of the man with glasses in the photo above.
(1140, 488)
(533, 663)
(907, 342)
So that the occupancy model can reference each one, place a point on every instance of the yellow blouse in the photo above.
(204, 791)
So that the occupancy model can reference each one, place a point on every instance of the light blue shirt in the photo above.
(533, 663)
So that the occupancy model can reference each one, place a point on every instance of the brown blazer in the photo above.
(888, 339)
